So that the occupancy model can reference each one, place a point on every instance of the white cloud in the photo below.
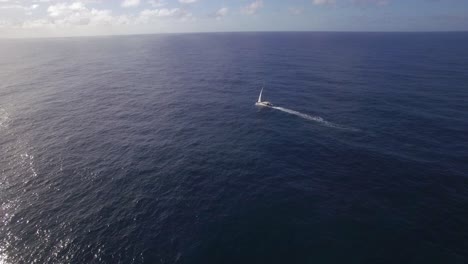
(75, 14)
(16, 5)
(371, 2)
(130, 3)
(64, 9)
(78, 16)
(12, 6)
(295, 11)
(149, 15)
(157, 3)
(5, 24)
(358, 2)
(222, 12)
(38, 23)
(253, 7)
(324, 2)
(187, 1)
(164, 12)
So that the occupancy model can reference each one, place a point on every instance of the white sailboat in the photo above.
(262, 103)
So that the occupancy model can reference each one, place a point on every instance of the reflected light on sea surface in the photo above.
(5, 218)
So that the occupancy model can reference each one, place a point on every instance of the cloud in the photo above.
(222, 12)
(75, 14)
(164, 12)
(16, 8)
(63, 9)
(157, 3)
(295, 11)
(253, 7)
(148, 15)
(5, 24)
(371, 2)
(78, 15)
(38, 23)
(324, 2)
(130, 3)
(12, 6)
(16, 5)
(187, 1)
(354, 2)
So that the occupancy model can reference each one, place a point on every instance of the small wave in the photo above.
(312, 118)
(29, 161)
(3, 117)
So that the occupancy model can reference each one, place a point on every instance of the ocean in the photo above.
(149, 148)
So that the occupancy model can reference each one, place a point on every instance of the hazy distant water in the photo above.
(149, 149)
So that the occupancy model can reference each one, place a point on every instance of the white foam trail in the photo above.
(312, 118)
(3, 117)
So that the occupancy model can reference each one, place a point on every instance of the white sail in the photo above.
(260, 96)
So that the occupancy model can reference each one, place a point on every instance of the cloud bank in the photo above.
(253, 7)
(101, 17)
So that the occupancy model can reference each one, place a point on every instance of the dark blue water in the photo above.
(149, 149)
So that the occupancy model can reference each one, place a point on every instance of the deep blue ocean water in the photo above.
(149, 149)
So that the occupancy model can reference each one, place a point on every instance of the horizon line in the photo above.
(246, 31)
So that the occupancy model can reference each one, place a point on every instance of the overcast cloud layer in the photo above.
(48, 18)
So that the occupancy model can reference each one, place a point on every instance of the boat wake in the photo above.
(312, 118)
(3, 119)
(299, 114)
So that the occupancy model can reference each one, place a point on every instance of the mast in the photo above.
(260, 96)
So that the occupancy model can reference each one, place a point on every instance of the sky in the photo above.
(61, 18)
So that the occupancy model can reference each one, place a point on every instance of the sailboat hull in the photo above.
(264, 104)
